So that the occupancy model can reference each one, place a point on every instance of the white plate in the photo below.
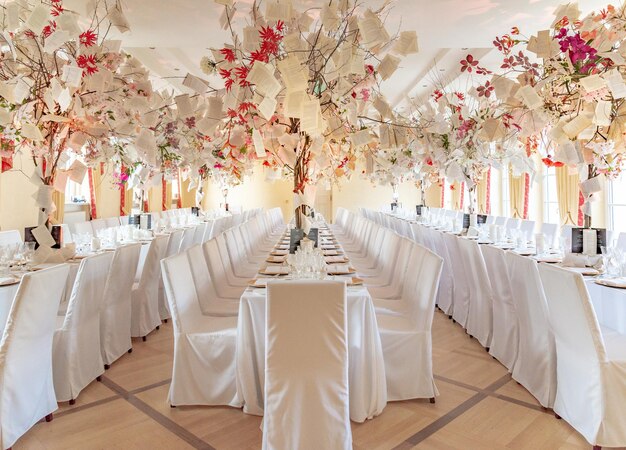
(8, 281)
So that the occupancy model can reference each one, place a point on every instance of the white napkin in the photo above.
(613, 282)
(330, 252)
(6, 280)
(583, 270)
(472, 232)
(580, 260)
(276, 270)
(338, 268)
(281, 252)
(335, 259)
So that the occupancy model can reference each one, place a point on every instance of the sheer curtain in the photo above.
(95, 188)
(456, 191)
(166, 195)
(59, 201)
(516, 195)
(483, 194)
(568, 194)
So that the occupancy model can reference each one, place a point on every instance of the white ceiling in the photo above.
(170, 36)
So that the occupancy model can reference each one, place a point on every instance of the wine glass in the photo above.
(28, 254)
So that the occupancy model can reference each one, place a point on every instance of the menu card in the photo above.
(56, 232)
(297, 235)
(418, 209)
(577, 239)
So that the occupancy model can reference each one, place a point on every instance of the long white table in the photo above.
(368, 388)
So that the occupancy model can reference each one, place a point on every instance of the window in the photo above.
(506, 199)
(550, 199)
(617, 204)
(77, 192)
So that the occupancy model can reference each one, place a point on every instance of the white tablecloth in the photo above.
(609, 304)
(368, 389)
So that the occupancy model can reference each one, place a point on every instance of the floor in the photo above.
(480, 407)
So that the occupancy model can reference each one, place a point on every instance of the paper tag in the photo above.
(43, 236)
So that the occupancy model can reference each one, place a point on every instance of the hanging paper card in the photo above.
(38, 19)
(12, 11)
(72, 75)
(577, 125)
(56, 40)
(42, 234)
(406, 43)
(592, 83)
(602, 116)
(267, 107)
(616, 84)
(293, 73)
(43, 196)
(293, 103)
(183, 105)
(118, 20)
(383, 107)
(529, 96)
(77, 172)
(257, 140)
(388, 66)
(592, 185)
(32, 132)
(195, 83)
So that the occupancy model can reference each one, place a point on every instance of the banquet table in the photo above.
(7, 293)
(609, 303)
(368, 388)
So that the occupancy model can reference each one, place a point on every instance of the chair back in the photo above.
(187, 239)
(10, 237)
(26, 390)
(307, 315)
(180, 292)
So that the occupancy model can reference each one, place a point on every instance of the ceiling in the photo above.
(170, 37)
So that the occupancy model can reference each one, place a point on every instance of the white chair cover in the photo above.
(173, 247)
(97, 225)
(549, 231)
(621, 241)
(406, 337)
(505, 339)
(116, 309)
(535, 367)
(10, 237)
(480, 311)
(460, 301)
(204, 347)
(210, 303)
(591, 362)
(76, 354)
(187, 240)
(145, 296)
(26, 387)
(306, 367)
(112, 222)
(83, 228)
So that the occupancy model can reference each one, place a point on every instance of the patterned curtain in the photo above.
(568, 195)
(516, 195)
(483, 193)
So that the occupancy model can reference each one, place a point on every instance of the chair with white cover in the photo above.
(460, 291)
(406, 337)
(112, 222)
(173, 247)
(116, 309)
(210, 303)
(26, 386)
(307, 315)
(500, 220)
(527, 227)
(535, 366)
(504, 341)
(10, 237)
(591, 361)
(621, 241)
(124, 220)
(76, 354)
(97, 225)
(198, 237)
(549, 231)
(145, 296)
(480, 312)
(187, 240)
(204, 347)
(82, 228)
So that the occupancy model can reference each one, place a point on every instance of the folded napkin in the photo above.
(613, 282)
(580, 260)
(582, 270)
(276, 270)
(335, 259)
(338, 268)
(7, 280)
(276, 259)
(281, 252)
(330, 252)
(472, 232)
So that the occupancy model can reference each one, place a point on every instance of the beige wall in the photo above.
(17, 207)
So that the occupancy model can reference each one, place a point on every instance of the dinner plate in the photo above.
(280, 253)
(276, 259)
(275, 271)
(338, 270)
(259, 282)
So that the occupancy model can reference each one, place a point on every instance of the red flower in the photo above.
(228, 84)
(429, 162)
(242, 73)
(88, 38)
(225, 73)
(229, 54)
(87, 63)
(468, 63)
(548, 162)
(246, 106)
(486, 90)
(57, 8)
(49, 29)
(258, 55)
(369, 68)
(451, 187)
(515, 31)
(437, 95)
(280, 25)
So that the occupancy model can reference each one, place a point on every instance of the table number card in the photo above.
(579, 239)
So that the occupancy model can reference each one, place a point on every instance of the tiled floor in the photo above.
(480, 407)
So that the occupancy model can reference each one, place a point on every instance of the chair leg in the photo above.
(98, 378)
(49, 417)
(144, 338)
(130, 350)
(158, 327)
(172, 406)
(432, 399)
(72, 401)
(164, 320)
(107, 367)
(597, 447)
(557, 416)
